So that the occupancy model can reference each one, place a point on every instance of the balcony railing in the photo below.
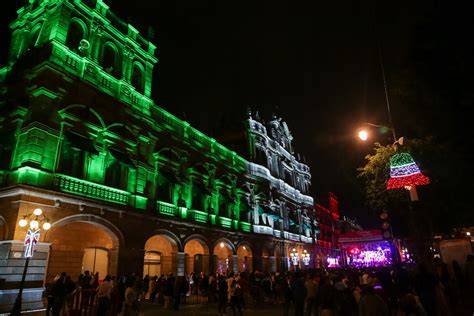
(198, 216)
(166, 208)
(246, 227)
(225, 222)
(90, 189)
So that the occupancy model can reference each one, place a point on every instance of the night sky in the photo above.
(315, 64)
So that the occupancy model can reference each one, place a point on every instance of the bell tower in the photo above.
(89, 41)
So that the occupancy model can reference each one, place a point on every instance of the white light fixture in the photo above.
(38, 212)
(222, 245)
(34, 224)
(46, 226)
(244, 248)
(468, 234)
(23, 222)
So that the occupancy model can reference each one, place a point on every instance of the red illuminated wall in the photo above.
(328, 223)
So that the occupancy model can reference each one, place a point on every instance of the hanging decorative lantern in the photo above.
(404, 172)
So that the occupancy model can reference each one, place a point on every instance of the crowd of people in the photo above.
(425, 289)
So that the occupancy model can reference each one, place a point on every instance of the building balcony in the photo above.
(167, 209)
(198, 216)
(92, 190)
(225, 222)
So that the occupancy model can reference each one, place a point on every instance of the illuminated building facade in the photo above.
(327, 246)
(127, 186)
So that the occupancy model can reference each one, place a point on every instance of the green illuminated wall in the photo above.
(92, 76)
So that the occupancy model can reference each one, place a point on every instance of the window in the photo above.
(137, 78)
(74, 35)
(110, 60)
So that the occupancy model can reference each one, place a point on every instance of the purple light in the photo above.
(369, 254)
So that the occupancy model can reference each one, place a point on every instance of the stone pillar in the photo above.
(181, 263)
(273, 264)
(130, 260)
(284, 264)
(235, 263)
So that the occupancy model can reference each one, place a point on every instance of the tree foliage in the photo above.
(439, 204)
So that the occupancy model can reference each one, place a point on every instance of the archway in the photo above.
(160, 255)
(223, 251)
(75, 34)
(197, 256)
(81, 246)
(244, 258)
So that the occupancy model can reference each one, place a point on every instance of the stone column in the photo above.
(181, 263)
(273, 263)
(235, 263)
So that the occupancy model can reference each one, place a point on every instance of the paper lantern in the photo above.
(404, 172)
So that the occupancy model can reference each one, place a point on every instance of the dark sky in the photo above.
(314, 63)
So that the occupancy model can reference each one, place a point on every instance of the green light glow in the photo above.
(246, 227)
(89, 189)
(166, 208)
(140, 202)
(43, 156)
(225, 222)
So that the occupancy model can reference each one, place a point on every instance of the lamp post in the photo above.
(305, 257)
(34, 221)
(294, 257)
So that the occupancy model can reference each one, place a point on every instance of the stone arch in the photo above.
(170, 150)
(110, 59)
(124, 131)
(77, 31)
(244, 257)
(161, 250)
(196, 249)
(172, 237)
(83, 242)
(138, 76)
(92, 219)
(100, 120)
(223, 253)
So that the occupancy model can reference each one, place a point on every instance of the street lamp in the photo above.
(305, 258)
(34, 220)
(294, 257)
(364, 134)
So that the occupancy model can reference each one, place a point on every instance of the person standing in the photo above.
(235, 292)
(130, 304)
(59, 293)
(103, 296)
(311, 286)
(222, 289)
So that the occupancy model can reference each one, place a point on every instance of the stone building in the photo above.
(128, 187)
(327, 245)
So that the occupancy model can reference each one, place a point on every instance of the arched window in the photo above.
(110, 60)
(35, 36)
(137, 78)
(74, 35)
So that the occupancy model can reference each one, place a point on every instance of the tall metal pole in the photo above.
(387, 102)
(17, 306)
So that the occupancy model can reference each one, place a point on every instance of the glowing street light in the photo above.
(363, 135)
